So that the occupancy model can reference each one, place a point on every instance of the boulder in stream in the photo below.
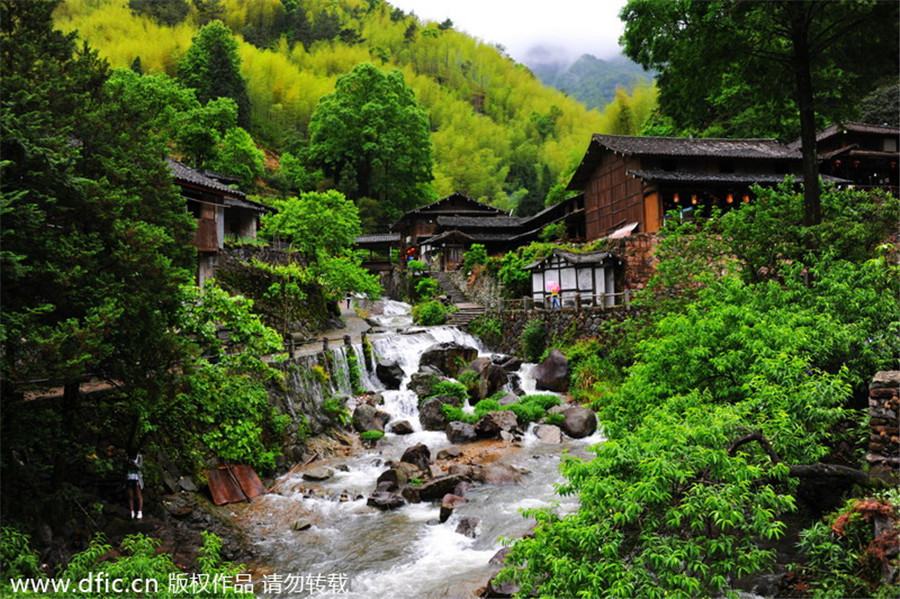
(460, 432)
(401, 427)
(579, 422)
(392, 480)
(508, 399)
(389, 373)
(436, 488)
(431, 414)
(492, 379)
(449, 503)
(553, 373)
(419, 455)
(422, 381)
(492, 423)
(548, 433)
(317, 474)
(468, 526)
(500, 474)
(369, 418)
(301, 524)
(448, 453)
(449, 358)
(511, 365)
(384, 500)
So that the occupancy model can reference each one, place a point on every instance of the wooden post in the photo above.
(325, 344)
(628, 299)
(525, 303)
(577, 302)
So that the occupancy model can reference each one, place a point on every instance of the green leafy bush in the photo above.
(430, 313)
(416, 267)
(484, 406)
(453, 413)
(223, 405)
(372, 435)
(845, 557)
(476, 255)
(353, 371)
(470, 379)
(427, 288)
(553, 232)
(744, 329)
(450, 388)
(137, 559)
(488, 329)
(532, 408)
(555, 419)
(534, 340)
(543, 400)
(321, 375)
(337, 411)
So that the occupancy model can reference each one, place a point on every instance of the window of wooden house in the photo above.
(890, 144)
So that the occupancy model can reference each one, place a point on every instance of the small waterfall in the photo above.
(402, 553)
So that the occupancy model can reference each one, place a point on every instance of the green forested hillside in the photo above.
(497, 133)
(592, 80)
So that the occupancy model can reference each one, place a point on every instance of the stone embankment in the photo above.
(884, 421)
(566, 324)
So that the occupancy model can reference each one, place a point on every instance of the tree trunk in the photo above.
(71, 392)
(801, 60)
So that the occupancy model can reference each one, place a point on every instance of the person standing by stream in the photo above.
(134, 482)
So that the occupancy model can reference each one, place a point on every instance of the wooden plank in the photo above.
(231, 484)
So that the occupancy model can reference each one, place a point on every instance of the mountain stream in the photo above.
(349, 549)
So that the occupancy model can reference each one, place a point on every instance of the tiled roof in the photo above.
(183, 172)
(486, 221)
(572, 258)
(857, 128)
(682, 146)
(475, 207)
(724, 178)
(759, 149)
(376, 239)
(248, 205)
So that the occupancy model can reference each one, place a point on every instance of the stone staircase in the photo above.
(467, 313)
(450, 290)
(466, 310)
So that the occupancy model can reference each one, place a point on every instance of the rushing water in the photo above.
(402, 553)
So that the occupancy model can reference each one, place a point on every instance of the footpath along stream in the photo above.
(322, 539)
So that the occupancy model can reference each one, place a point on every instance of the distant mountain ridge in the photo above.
(591, 80)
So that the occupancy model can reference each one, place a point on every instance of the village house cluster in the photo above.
(624, 189)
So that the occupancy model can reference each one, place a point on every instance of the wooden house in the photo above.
(867, 155)
(220, 210)
(417, 226)
(443, 231)
(586, 279)
(378, 252)
(632, 182)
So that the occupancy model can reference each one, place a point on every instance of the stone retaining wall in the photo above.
(563, 326)
(884, 420)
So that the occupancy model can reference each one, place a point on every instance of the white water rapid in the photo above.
(353, 550)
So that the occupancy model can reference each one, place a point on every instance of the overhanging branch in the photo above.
(808, 471)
